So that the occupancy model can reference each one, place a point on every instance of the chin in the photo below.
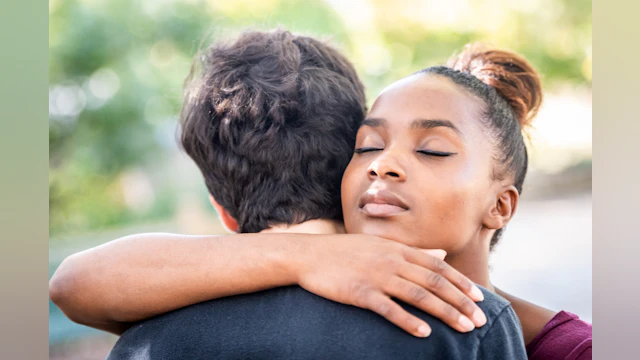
(386, 231)
(398, 233)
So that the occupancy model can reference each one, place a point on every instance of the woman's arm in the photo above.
(533, 318)
(140, 276)
(136, 277)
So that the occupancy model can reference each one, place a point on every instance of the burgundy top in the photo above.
(564, 337)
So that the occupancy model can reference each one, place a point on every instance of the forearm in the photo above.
(139, 276)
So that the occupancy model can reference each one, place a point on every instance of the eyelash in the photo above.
(365, 150)
(423, 152)
(435, 153)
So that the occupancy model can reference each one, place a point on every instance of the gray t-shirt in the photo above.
(291, 323)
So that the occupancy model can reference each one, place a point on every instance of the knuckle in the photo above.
(439, 266)
(435, 281)
(382, 307)
(418, 294)
(359, 293)
(390, 262)
(403, 250)
(389, 283)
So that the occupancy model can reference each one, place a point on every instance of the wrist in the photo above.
(294, 256)
(282, 252)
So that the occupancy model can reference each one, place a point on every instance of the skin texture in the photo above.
(112, 286)
(92, 289)
(447, 202)
(451, 203)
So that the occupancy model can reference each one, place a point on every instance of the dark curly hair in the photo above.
(271, 119)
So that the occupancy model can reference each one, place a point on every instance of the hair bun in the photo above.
(510, 74)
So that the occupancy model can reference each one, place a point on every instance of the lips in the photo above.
(381, 203)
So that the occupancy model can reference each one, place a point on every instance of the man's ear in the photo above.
(227, 220)
(502, 209)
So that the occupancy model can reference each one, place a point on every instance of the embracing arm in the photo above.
(139, 276)
(136, 277)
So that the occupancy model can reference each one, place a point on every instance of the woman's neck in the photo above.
(473, 261)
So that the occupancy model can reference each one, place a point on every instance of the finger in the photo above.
(445, 290)
(439, 253)
(426, 301)
(390, 310)
(439, 266)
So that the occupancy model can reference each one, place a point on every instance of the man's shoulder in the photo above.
(501, 337)
(291, 321)
(293, 304)
(493, 304)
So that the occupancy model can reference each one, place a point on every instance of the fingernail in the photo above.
(424, 330)
(479, 318)
(476, 293)
(466, 324)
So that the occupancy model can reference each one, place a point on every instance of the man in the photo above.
(271, 122)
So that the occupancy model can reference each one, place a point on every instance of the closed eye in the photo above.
(436, 153)
(366, 150)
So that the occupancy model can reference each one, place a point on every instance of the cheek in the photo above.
(349, 188)
(461, 190)
(450, 215)
(447, 207)
(457, 207)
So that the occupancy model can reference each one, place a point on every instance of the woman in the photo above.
(448, 141)
(441, 153)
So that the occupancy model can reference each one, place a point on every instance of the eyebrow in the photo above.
(415, 124)
(374, 122)
(433, 123)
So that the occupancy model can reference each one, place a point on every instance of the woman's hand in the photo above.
(367, 271)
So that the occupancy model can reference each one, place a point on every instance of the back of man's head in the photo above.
(271, 120)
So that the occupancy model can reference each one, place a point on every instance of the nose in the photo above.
(387, 166)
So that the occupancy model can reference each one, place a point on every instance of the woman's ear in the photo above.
(502, 209)
(228, 221)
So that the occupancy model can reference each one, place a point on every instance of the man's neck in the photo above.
(317, 226)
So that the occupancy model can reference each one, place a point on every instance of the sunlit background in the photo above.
(116, 73)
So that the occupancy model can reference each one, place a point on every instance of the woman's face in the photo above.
(421, 171)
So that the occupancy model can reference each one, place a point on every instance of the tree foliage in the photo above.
(117, 67)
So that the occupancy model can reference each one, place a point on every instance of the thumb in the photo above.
(439, 253)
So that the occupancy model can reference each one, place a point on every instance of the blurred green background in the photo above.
(115, 79)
